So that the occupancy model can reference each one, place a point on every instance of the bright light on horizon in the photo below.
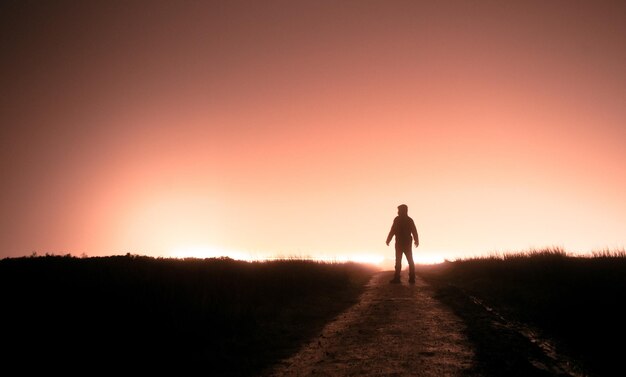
(427, 258)
(204, 251)
(382, 261)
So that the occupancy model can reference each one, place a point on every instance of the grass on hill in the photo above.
(191, 316)
(577, 301)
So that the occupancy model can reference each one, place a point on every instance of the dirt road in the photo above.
(394, 330)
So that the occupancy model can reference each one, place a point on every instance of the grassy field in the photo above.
(193, 316)
(576, 301)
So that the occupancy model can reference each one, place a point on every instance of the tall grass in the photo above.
(579, 301)
(211, 316)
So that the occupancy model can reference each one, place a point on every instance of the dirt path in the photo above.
(395, 330)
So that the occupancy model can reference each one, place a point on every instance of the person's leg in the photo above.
(409, 258)
(398, 266)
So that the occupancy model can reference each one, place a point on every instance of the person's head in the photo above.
(403, 209)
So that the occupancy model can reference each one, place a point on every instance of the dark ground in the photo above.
(423, 330)
(394, 330)
(538, 315)
(181, 317)
(570, 309)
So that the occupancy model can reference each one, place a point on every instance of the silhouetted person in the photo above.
(403, 228)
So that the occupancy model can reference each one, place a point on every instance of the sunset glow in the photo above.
(257, 130)
(202, 252)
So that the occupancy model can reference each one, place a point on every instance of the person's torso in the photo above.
(403, 227)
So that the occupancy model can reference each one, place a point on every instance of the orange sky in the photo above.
(262, 129)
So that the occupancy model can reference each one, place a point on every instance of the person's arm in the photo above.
(392, 231)
(415, 236)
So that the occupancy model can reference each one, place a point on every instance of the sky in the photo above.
(262, 129)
